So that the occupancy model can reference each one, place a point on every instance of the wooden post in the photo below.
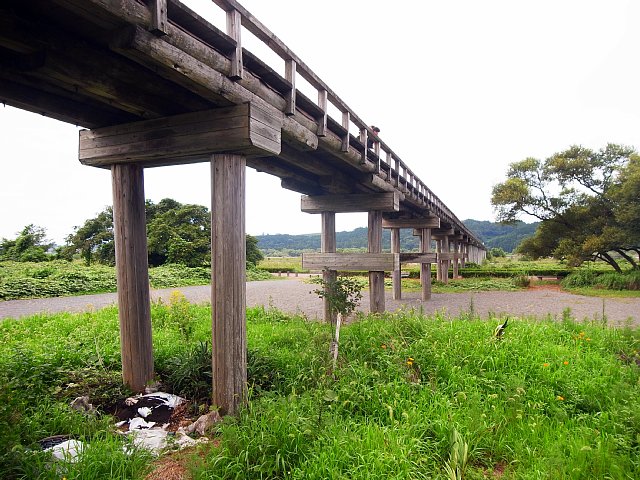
(234, 27)
(455, 259)
(425, 268)
(228, 290)
(438, 269)
(445, 263)
(396, 274)
(134, 308)
(376, 279)
(328, 245)
(290, 75)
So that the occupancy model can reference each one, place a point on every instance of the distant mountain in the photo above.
(493, 234)
(507, 237)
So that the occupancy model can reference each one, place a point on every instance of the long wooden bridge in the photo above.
(156, 84)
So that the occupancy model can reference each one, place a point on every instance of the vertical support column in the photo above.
(455, 259)
(376, 279)
(228, 289)
(132, 270)
(445, 264)
(464, 250)
(328, 245)
(396, 274)
(438, 262)
(425, 268)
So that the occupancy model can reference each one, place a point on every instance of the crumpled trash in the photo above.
(82, 404)
(203, 423)
(67, 451)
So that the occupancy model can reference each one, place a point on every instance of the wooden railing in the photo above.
(391, 168)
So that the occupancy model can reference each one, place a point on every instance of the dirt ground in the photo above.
(294, 295)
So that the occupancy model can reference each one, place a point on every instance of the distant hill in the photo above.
(493, 234)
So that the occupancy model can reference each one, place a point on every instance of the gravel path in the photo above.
(294, 296)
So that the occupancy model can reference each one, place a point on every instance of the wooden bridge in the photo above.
(156, 84)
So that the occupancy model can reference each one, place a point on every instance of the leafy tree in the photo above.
(30, 245)
(587, 202)
(176, 233)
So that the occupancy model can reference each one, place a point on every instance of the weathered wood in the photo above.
(425, 267)
(185, 138)
(351, 262)
(234, 24)
(158, 17)
(290, 75)
(346, 120)
(376, 276)
(134, 307)
(322, 120)
(417, 257)
(396, 274)
(328, 245)
(356, 202)
(444, 259)
(415, 223)
(228, 294)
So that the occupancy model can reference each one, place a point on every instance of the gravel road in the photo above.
(295, 296)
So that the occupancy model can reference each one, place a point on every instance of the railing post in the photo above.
(290, 75)
(234, 27)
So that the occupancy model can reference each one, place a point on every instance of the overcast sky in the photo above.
(460, 89)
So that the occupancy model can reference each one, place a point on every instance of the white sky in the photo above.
(459, 88)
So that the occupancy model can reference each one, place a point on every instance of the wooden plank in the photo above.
(417, 257)
(134, 307)
(228, 291)
(290, 75)
(355, 202)
(415, 223)
(184, 138)
(158, 17)
(234, 24)
(376, 278)
(351, 262)
(396, 275)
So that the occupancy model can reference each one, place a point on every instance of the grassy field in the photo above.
(409, 397)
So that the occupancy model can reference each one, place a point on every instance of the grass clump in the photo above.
(603, 281)
(411, 397)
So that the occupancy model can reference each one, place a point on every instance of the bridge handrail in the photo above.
(295, 65)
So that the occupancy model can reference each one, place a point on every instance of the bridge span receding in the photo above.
(154, 84)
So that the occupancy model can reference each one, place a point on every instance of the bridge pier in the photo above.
(328, 245)
(396, 275)
(376, 278)
(132, 272)
(425, 268)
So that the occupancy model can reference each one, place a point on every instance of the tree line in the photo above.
(176, 233)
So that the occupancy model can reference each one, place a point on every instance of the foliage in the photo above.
(30, 245)
(551, 400)
(587, 203)
(343, 293)
(176, 233)
(606, 281)
(501, 235)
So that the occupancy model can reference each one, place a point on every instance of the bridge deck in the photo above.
(98, 63)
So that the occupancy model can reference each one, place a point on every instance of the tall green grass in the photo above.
(549, 400)
(606, 281)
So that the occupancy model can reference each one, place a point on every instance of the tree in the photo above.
(176, 233)
(587, 202)
(30, 245)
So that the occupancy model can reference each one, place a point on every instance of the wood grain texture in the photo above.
(415, 223)
(134, 308)
(351, 262)
(328, 245)
(228, 294)
(425, 266)
(356, 202)
(376, 276)
(396, 275)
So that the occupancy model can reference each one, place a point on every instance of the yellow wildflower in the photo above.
(565, 363)
(545, 365)
(560, 397)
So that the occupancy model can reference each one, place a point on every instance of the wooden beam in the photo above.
(228, 290)
(186, 138)
(134, 307)
(351, 262)
(418, 257)
(376, 276)
(415, 223)
(356, 202)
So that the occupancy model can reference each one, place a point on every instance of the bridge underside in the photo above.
(155, 84)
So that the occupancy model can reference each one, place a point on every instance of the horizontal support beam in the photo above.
(357, 202)
(192, 137)
(418, 257)
(353, 262)
(417, 223)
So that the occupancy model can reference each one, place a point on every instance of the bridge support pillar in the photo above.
(328, 245)
(425, 268)
(132, 270)
(396, 275)
(376, 279)
(456, 259)
(228, 289)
